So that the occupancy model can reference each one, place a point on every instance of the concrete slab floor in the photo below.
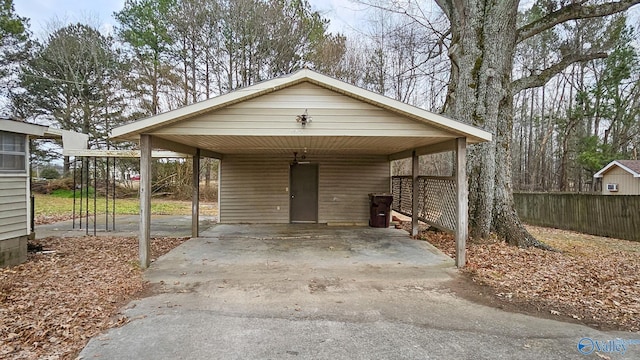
(317, 292)
(125, 225)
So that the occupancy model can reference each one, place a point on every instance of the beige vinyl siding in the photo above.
(252, 188)
(13, 207)
(345, 185)
(627, 184)
(332, 113)
(255, 189)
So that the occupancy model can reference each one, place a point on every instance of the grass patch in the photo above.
(65, 193)
(578, 244)
(55, 205)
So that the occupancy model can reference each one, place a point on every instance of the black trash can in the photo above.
(380, 210)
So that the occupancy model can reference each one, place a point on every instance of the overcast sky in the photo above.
(344, 14)
(99, 12)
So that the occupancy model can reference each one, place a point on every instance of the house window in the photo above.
(12, 152)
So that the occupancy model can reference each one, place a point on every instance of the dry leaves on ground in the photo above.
(591, 279)
(52, 304)
(50, 219)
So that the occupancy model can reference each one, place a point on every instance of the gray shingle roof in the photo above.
(631, 164)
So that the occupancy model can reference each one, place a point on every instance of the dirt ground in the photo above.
(69, 291)
(590, 280)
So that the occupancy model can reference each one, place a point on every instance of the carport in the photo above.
(306, 148)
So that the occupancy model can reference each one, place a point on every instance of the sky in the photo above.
(98, 13)
(43, 12)
(344, 14)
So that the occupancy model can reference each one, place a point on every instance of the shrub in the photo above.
(49, 173)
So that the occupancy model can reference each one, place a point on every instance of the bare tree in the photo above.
(484, 35)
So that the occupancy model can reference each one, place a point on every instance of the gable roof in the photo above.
(133, 130)
(630, 166)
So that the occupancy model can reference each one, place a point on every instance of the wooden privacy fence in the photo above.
(604, 215)
(436, 199)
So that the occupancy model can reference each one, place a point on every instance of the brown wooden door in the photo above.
(304, 193)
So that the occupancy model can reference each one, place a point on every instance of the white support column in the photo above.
(219, 189)
(145, 201)
(195, 199)
(462, 201)
(415, 171)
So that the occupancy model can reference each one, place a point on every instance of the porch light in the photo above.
(303, 119)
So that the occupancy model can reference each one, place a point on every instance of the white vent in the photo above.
(612, 187)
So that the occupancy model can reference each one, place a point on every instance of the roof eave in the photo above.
(21, 127)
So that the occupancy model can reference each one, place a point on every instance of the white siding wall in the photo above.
(13, 206)
(627, 184)
(332, 114)
(256, 189)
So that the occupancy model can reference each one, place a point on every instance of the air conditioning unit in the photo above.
(612, 187)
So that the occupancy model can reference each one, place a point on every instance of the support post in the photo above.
(415, 172)
(86, 203)
(462, 201)
(75, 177)
(195, 199)
(95, 196)
(145, 200)
(106, 196)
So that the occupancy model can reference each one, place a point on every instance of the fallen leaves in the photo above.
(51, 305)
(592, 279)
(52, 218)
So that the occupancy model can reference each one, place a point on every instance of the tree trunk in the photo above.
(66, 166)
(207, 172)
(154, 84)
(480, 92)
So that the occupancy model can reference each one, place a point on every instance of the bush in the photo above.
(209, 193)
(47, 187)
(60, 184)
(49, 173)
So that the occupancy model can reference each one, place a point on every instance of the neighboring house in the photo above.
(15, 194)
(302, 148)
(620, 177)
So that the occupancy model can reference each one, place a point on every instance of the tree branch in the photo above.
(545, 75)
(573, 11)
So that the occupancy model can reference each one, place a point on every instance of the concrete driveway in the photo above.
(317, 292)
(126, 225)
